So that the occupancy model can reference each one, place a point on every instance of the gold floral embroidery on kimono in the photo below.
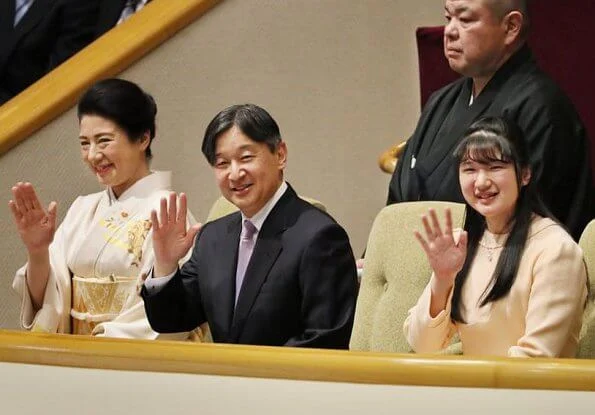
(99, 299)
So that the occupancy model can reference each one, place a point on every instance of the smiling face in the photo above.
(475, 39)
(491, 188)
(115, 160)
(248, 173)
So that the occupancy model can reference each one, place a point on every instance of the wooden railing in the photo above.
(107, 56)
(296, 364)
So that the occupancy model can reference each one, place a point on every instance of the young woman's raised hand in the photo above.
(446, 256)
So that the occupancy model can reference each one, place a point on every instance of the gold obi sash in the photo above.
(96, 300)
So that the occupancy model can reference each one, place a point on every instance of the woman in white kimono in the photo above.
(82, 278)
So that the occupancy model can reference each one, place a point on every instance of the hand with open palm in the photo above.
(36, 225)
(446, 256)
(171, 240)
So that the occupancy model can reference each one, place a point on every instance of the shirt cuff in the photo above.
(154, 285)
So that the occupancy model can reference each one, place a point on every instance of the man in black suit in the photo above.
(300, 284)
(48, 33)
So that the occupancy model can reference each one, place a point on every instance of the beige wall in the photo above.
(339, 76)
(130, 392)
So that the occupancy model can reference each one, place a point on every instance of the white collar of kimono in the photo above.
(156, 180)
(260, 216)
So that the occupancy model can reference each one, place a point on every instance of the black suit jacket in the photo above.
(49, 33)
(299, 289)
(109, 14)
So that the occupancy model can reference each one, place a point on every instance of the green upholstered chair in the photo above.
(396, 272)
(586, 345)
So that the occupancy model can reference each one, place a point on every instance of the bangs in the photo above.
(484, 147)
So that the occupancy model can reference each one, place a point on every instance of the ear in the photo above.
(281, 155)
(525, 176)
(145, 141)
(513, 24)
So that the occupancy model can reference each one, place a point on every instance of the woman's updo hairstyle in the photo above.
(125, 104)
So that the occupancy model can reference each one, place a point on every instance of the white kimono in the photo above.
(97, 257)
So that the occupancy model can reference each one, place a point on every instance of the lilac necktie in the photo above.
(247, 242)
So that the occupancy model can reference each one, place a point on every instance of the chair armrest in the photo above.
(388, 159)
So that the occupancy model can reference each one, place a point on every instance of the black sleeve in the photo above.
(178, 306)
(328, 282)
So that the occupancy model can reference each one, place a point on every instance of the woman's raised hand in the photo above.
(171, 240)
(446, 256)
(36, 226)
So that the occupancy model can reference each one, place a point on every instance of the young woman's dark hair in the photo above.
(491, 139)
(252, 120)
(125, 104)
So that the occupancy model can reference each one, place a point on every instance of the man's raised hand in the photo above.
(171, 239)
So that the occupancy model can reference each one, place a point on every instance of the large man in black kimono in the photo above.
(485, 41)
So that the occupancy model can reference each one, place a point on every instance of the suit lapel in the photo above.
(225, 271)
(264, 256)
(36, 12)
(266, 251)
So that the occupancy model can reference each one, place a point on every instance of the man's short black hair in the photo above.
(252, 120)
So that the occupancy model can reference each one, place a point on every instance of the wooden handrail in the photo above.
(107, 56)
(296, 364)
